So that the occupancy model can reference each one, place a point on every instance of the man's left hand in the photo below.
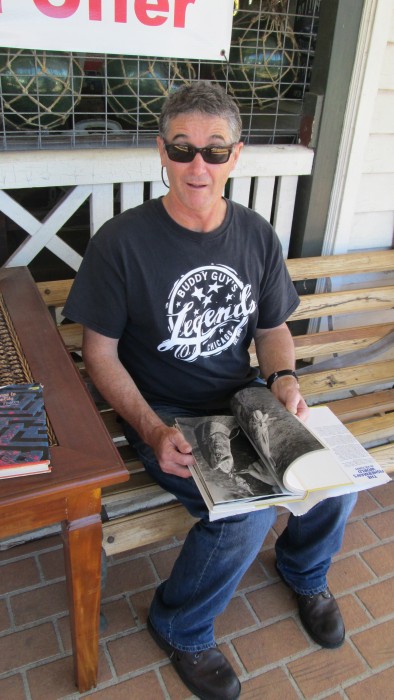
(287, 391)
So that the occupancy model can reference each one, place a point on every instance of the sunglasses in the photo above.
(183, 153)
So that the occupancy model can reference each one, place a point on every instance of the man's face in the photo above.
(196, 187)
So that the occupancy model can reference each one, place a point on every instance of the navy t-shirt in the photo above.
(184, 305)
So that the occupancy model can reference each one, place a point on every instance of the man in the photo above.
(171, 294)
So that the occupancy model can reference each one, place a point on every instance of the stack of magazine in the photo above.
(24, 448)
(262, 455)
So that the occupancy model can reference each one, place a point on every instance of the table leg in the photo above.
(82, 540)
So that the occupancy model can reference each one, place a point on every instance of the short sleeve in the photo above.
(278, 296)
(97, 298)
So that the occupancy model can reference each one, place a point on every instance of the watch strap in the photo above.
(281, 373)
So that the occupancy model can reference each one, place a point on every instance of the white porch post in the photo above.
(374, 32)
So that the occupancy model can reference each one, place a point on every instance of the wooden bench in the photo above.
(350, 367)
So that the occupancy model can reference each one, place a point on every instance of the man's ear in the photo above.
(237, 150)
(160, 146)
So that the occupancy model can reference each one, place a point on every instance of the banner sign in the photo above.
(170, 28)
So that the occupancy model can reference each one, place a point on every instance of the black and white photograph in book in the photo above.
(228, 460)
(278, 437)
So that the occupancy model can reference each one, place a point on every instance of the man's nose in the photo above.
(198, 163)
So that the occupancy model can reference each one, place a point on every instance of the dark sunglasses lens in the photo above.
(180, 154)
(217, 154)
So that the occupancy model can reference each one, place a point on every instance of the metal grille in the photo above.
(61, 100)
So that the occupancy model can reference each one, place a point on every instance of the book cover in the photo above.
(24, 445)
(263, 455)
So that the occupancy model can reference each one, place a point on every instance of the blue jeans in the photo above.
(216, 554)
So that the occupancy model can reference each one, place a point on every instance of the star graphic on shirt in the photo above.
(207, 301)
(229, 297)
(214, 287)
(198, 293)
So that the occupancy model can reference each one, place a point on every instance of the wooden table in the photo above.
(83, 462)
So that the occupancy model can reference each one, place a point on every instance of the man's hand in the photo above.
(172, 451)
(287, 391)
(275, 350)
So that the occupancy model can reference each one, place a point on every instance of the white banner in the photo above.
(171, 28)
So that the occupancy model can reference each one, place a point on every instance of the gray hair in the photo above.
(203, 97)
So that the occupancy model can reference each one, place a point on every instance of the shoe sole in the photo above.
(169, 649)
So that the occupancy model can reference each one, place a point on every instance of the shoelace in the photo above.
(178, 655)
(326, 594)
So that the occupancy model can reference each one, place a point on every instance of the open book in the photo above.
(263, 455)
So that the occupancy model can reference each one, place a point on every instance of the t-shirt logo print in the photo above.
(207, 309)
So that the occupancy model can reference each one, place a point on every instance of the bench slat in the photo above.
(339, 340)
(372, 429)
(146, 496)
(55, 292)
(337, 265)
(72, 336)
(137, 481)
(143, 529)
(384, 455)
(336, 341)
(364, 405)
(344, 302)
(348, 378)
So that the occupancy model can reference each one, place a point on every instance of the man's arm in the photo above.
(100, 354)
(275, 351)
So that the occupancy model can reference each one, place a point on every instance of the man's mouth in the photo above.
(196, 185)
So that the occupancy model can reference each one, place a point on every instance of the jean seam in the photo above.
(312, 591)
(207, 563)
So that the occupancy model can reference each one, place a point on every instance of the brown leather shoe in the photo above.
(322, 618)
(207, 674)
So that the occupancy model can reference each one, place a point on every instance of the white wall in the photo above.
(361, 215)
(362, 200)
(372, 224)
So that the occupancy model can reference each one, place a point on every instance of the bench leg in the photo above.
(82, 538)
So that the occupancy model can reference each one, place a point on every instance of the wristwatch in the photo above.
(281, 373)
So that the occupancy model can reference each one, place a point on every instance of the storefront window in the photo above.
(61, 100)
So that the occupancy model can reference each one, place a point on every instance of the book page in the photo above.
(226, 465)
(277, 435)
(359, 465)
(312, 472)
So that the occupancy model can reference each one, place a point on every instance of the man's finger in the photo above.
(180, 442)
(177, 470)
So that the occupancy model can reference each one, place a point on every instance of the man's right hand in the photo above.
(172, 451)
(112, 380)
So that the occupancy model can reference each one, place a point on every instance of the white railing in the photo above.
(266, 178)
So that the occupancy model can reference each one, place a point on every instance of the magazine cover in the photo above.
(23, 433)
